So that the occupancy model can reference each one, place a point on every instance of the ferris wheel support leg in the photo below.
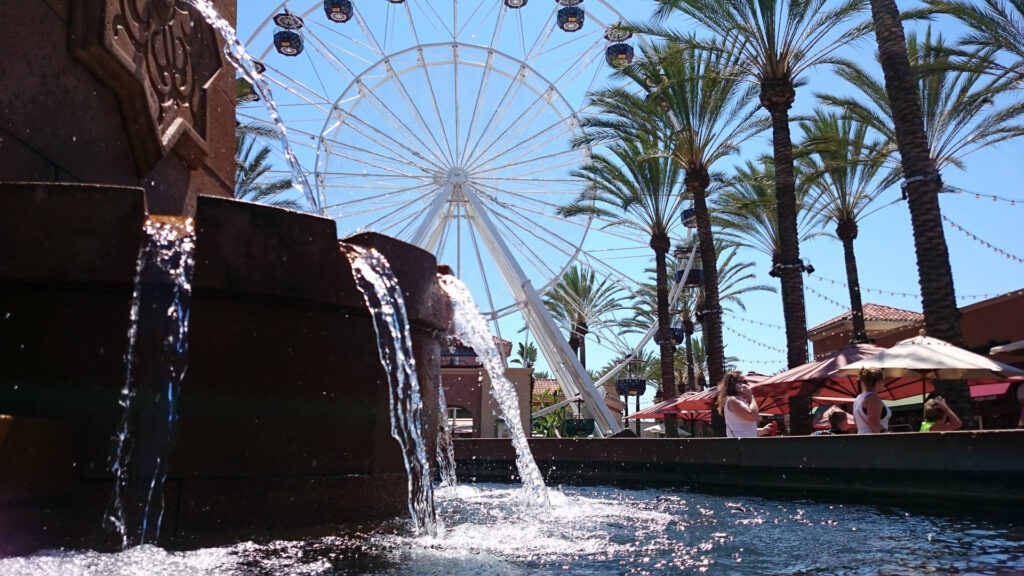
(571, 376)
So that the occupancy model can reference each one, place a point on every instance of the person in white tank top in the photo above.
(870, 414)
(737, 404)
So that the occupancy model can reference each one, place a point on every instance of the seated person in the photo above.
(838, 424)
(939, 417)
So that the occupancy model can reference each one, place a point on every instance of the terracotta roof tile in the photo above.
(874, 313)
(544, 385)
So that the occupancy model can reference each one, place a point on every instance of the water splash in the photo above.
(155, 363)
(239, 57)
(383, 297)
(445, 446)
(471, 329)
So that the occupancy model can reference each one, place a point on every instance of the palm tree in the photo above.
(921, 186)
(959, 116)
(777, 42)
(251, 170)
(705, 112)
(745, 211)
(636, 187)
(582, 303)
(526, 355)
(844, 170)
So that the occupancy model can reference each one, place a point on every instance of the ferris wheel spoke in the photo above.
(483, 271)
(516, 230)
(530, 146)
(432, 92)
(396, 122)
(481, 98)
(498, 112)
(534, 107)
(330, 51)
(395, 157)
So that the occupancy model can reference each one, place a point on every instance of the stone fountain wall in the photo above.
(120, 92)
(284, 421)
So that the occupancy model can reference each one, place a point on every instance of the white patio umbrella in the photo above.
(934, 359)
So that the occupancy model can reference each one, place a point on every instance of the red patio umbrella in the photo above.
(653, 412)
(818, 378)
(703, 400)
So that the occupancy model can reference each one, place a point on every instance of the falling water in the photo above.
(471, 329)
(384, 300)
(445, 446)
(239, 57)
(155, 362)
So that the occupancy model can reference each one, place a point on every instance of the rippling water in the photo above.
(487, 530)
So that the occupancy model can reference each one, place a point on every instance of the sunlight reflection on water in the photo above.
(490, 529)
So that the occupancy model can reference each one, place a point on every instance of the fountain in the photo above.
(116, 112)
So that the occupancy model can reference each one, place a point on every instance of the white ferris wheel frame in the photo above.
(465, 195)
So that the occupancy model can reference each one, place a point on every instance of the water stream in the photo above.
(384, 300)
(471, 329)
(155, 363)
(445, 445)
(239, 57)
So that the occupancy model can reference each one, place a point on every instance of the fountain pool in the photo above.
(486, 529)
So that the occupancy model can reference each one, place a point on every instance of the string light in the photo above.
(825, 298)
(754, 322)
(977, 196)
(982, 242)
(751, 340)
(891, 293)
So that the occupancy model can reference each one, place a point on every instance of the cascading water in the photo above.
(155, 362)
(445, 446)
(471, 329)
(239, 57)
(383, 297)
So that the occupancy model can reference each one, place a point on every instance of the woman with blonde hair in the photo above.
(870, 414)
(736, 403)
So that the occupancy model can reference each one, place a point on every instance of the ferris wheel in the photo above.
(448, 124)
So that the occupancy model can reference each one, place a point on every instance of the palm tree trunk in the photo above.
(847, 232)
(691, 377)
(922, 185)
(777, 98)
(583, 351)
(697, 181)
(661, 244)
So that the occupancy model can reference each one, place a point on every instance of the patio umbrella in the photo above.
(703, 400)
(821, 379)
(653, 412)
(933, 359)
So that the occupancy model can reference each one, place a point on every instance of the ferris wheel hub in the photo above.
(457, 176)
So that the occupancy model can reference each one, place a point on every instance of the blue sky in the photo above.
(885, 250)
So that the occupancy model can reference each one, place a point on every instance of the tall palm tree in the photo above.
(581, 302)
(745, 211)
(845, 170)
(705, 112)
(921, 186)
(635, 187)
(778, 41)
(960, 115)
